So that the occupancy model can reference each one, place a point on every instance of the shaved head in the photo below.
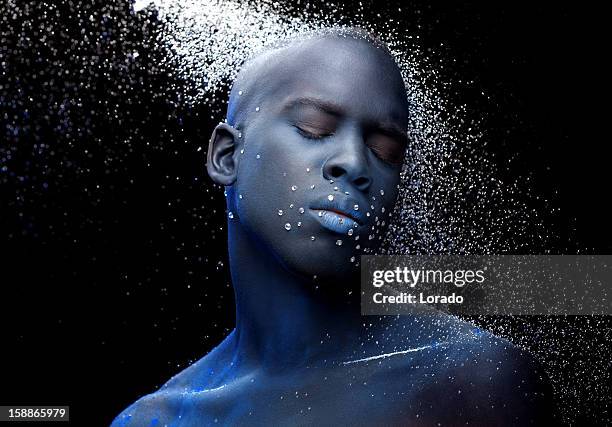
(265, 74)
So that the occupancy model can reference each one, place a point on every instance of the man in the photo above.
(310, 156)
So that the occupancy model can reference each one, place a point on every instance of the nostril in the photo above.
(361, 182)
(336, 172)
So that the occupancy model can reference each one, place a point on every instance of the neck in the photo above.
(280, 321)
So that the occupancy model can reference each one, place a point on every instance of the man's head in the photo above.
(312, 150)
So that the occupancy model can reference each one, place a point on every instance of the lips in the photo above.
(344, 206)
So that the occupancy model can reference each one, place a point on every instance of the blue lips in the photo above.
(335, 222)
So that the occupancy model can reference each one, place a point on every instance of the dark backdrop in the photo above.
(113, 275)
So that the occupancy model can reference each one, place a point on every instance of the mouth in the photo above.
(340, 216)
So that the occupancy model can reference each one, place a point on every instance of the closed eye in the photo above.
(311, 133)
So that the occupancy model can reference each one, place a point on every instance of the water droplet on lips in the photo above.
(339, 242)
(356, 207)
(320, 213)
(350, 232)
(287, 226)
(293, 187)
(230, 215)
(280, 212)
(330, 197)
(341, 220)
(312, 238)
(301, 210)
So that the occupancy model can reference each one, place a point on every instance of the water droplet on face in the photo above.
(240, 196)
(299, 223)
(331, 181)
(330, 197)
(280, 212)
(341, 220)
(301, 210)
(291, 206)
(293, 187)
(242, 151)
(350, 232)
(367, 213)
(307, 169)
(372, 207)
(258, 156)
(356, 207)
(312, 238)
(312, 187)
(339, 242)
(256, 108)
(287, 226)
(230, 215)
(335, 188)
(239, 134)
(346, 192)
(239, 92)
(382, 192)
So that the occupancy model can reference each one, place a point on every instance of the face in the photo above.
(322, 152)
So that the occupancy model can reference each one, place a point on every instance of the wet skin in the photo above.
(323, 110)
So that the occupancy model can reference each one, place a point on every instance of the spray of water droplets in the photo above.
(451, 199)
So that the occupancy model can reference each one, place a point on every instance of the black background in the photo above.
(113, 276)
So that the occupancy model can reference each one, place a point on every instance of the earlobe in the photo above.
(222, 163)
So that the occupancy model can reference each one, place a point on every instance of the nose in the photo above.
(349, 161)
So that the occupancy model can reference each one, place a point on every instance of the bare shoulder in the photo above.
(468, 375)
(164, 406)
(159, 408)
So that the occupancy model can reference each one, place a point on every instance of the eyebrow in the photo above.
(389, 128)
(325, 106)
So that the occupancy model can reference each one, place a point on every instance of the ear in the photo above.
(221, 160)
